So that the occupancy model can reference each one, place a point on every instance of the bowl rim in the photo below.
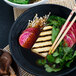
(31, 72)
(9, 2)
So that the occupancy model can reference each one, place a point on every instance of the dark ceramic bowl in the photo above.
(25, 58)
(13, 64)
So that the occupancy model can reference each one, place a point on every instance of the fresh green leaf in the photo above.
(50, 69)
(10, 0)
(55, 32)
(61, 43)
(74, 54)
(67, 53)
(20, 1)
(56, 69)
(55, 54)
(58, 60)
(67, 49)
(69, 63)
(41, 61)
(56, 21)
(50, 58)
(68, 58)
(46, 65)
(61, 53)
(54, 65)
(66, 45)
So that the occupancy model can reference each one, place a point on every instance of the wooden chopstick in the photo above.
(64, 34)
(60, 33)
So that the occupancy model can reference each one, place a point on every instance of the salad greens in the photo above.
(63, 55)
(56, 22)
(20, 1)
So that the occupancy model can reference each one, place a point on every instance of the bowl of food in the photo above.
(25, 3)
(7, 64)
(33, 34)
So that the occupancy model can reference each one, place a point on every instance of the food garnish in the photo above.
(23, 1)
(30, 34)
(64, 55)
(5, 64)
(44, 37)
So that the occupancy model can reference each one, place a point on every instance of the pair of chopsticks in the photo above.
(61, 35)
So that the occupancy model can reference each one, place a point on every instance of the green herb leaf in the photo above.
(20, 1)
(68, 58)
(58, 60)
(61, 53)
(54, 65)
(55, 54)
(68, 63)
(51, 69)
(67, 49)
(56, 69)
(41, 61)
(56, 21)
(48, 68)
(74, 54)
(50, 58)
(55, 32)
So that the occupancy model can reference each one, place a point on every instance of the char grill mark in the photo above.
(44, 52)
(42, 41)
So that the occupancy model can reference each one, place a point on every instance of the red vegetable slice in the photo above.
(71, 35)
(33, 30)
(68, 41)
(73, 29)
(27, 39)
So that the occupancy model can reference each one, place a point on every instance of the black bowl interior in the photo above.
(25, 58)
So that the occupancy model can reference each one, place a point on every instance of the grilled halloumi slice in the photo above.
(43, 43)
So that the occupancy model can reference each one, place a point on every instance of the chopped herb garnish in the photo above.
(20, 1)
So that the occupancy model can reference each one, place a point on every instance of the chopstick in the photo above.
(60, 33)
(64, 34)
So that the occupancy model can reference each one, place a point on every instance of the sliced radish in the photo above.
(68, 41)
(73, 29)
(33, 30)
(71, 35)
(27, 39)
